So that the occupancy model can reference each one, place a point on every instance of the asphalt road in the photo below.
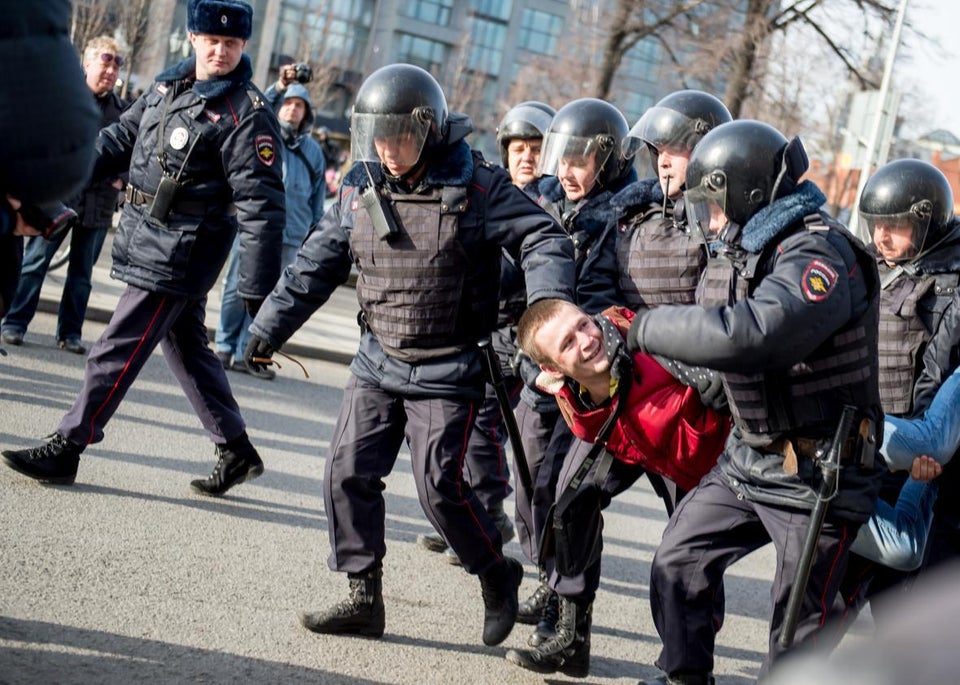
(128, 576)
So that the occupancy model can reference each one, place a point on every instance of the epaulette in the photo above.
(256, 98)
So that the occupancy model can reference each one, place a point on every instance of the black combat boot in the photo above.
(531, 609)
(547, 625)
(361, 614)
(499, 586)
(238, 462)
(55, 462)
(568, 651)
(681, 678)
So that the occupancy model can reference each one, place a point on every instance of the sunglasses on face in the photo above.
(107, 57)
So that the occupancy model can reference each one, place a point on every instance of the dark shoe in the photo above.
(691, 678)
(238, 462)
(361, 614)
(568, 651)
(225, 358)
(261, 373)
(531, 609)
(432, 542)
(547, 625)
(12, 337)
(452, 557)
(499, 586)
(72, 345)
(55, 462)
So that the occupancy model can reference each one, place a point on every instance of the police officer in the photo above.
(423, 219)
(907, 206)
(201, 147)
(519, 137)
(583, 168)
(788, 314)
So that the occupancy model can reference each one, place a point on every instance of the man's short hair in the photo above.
(99, 45)
(531, 321)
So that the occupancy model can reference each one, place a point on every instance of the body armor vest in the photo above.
(421, 292)
(659, 262)
(803, 400)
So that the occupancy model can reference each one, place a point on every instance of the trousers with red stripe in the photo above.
(141, 321)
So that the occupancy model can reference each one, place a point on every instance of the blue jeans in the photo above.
(85, 246)
(233, 329)
(896, 536)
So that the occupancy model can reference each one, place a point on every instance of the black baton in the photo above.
(830, 470)
(513, 431)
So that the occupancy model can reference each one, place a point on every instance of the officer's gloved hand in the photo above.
(252, 305)
(258, 354)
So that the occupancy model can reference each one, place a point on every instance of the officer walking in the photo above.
(424, 220)
(202, 151)
(788, 314)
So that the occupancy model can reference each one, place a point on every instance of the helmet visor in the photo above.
(899, 237)
(561, 151)
(395, 139)
(662, 128)
(524, 121)
(706, 206)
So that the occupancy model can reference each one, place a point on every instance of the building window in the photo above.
(486, 45)
(539, 31)
(495, 9)
(430, 11)
(422, 52)
(335, 34)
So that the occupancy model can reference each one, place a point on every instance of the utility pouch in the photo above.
(867, 443)
(163, 200)
(381, 214)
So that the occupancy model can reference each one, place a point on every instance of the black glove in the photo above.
(257, 349)
(252, 305)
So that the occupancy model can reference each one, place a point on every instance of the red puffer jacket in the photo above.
(664, 428)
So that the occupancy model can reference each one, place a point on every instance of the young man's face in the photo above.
(522, 158)
(574, 345)
(216, 55)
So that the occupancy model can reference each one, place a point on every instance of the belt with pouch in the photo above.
(135, 196)
(858, 449)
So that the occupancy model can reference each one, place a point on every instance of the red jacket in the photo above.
(664, 427)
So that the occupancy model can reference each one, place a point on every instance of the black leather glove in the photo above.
(252, 305)
(257, 349)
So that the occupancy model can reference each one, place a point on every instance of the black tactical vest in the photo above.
(422, 292)
(803, 400)
(659, 262)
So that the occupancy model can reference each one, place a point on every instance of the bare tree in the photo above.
(125, 20)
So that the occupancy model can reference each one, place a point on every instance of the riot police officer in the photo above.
(423, 219)
(788, 314)
(201, 147)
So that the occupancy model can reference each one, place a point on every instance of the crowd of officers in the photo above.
(722, 249)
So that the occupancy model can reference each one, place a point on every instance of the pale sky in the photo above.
(934, 71)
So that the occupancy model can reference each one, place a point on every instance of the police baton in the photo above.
(513, 431)
(830, 478)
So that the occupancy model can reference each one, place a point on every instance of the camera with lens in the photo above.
(303, 72)
(52, 219)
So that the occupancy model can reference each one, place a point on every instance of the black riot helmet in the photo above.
(677, 122)
(738, 169)
(397, 101)
(584, 128)
(527, 121)
(909, 197)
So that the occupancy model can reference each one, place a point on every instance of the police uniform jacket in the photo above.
(491, 215)
(795, 341)
(225, 139)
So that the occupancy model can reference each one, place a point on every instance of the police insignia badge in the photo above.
(179, 138)
(818, 280)
(265, 150)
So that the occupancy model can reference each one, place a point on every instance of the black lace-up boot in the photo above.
(531, 609)
(55, 462)
(568, 651)
(238, 462)
(547, 625)
(361, 614)
(499, 586)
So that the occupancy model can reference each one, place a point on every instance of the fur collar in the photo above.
(211, 88)
(772, 220)
(447, 166)
(596, 212)
(645, 192)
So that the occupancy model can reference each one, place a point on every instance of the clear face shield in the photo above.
(396, 140)
(900, 237)
(663, 128)
(705, 206)
(564, 150)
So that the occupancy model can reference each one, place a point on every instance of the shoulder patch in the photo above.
(214, 117)
(818, 281)
(266, 150)
(162, 88)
